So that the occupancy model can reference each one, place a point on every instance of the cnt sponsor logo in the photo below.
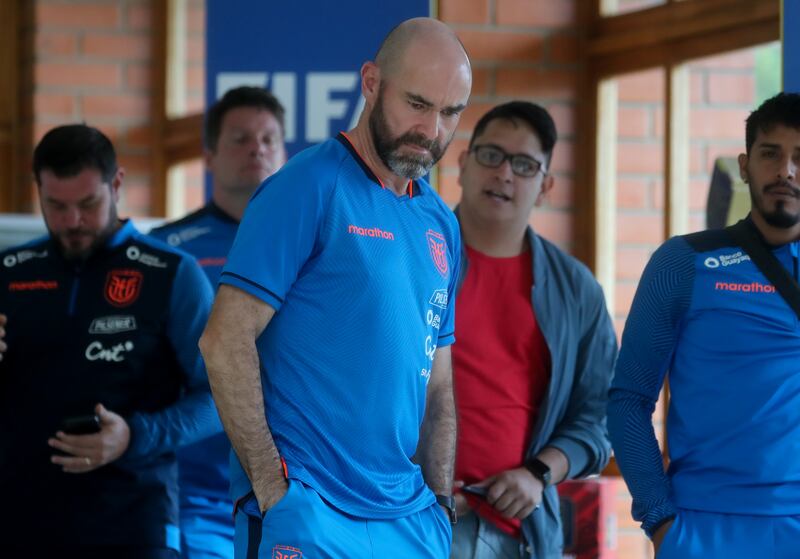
(437, 245)
(113, 324)
(95, 351)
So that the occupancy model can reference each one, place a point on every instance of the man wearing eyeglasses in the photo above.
(535, 350)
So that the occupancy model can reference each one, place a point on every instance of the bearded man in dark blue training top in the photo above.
(707, 315)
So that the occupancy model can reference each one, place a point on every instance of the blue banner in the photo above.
(790, 43)
(308, 53)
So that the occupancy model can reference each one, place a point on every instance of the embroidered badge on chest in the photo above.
(123, 287)
(438, 249)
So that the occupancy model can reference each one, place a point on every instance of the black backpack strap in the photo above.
(747, 236)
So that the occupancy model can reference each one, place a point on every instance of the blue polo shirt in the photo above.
(706, 315)
(363, 284)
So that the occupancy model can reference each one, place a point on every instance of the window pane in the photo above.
(724, 90)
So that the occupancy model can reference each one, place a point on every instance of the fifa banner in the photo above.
(790, 43)
(308, 54)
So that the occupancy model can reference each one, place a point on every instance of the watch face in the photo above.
(540, 470)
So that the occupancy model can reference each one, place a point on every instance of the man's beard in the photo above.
(409, 166)
(780, 217)
(81, 253)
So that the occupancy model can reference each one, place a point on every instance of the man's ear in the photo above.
(547, 185)
(370, 82)
(743, 167)
(116, 183)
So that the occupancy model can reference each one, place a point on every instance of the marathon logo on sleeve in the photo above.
(35, 285)
(113, 324)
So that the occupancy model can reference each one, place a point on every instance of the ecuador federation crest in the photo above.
(123, 287)
(438, 249)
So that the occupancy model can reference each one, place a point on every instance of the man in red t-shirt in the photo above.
(534, 353)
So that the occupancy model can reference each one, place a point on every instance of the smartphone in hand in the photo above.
(81, 425)
(478, 490)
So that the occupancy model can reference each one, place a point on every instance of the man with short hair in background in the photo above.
(535, 350)
(244, 145)
(101, 380)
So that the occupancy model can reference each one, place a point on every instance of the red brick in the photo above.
(657, 192)
(631, 262)
(472, 115)
(718, 123)
(659, 121)
(538, 13)
(632, 194)
(136, 166)
(450, 159)
(697, 158)
(54, 104)
(562, 48)
(196, 17)
(196, 104)
(195, 78)
(563, 157)
(716, 150)
(139, 137)
(732, 88)
(537, 82)
(138, 76)
(561, 197)
(139, 16)
(120, 47)
(480, 81)
(640, 158)
(464, 11)
(633, 544)
(449, 189)
(554, 225)
(697, 86)
(120, 105)
(52, 43)
(698, 193)
(625, 519)
(196, 49)
(94, 74)
(633, 122)
(737, 59)
(640, 229)
(564, 117)
(502, 46)
(86, 15)
(642, 86)
(623, 296)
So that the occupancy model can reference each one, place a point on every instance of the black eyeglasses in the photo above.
(521, 165)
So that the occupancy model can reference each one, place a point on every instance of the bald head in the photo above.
(419, 35)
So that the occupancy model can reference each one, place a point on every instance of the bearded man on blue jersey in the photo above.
(708, 316)
(328, 347)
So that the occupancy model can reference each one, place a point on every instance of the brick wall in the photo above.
(521, 49)
(91, 63)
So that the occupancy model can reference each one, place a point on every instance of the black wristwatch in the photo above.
(448, 502)
(540, 470)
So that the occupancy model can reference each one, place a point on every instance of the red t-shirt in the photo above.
(501, 366)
